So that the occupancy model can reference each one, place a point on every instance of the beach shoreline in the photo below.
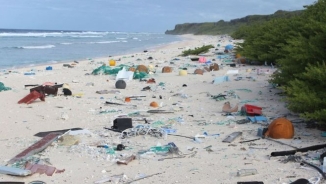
(29, 68)
(196, 117)
(27, 49)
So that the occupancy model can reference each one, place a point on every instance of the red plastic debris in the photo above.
(251, 110)
(35, 148)
(32, 97)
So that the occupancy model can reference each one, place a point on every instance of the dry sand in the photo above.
(85, 163)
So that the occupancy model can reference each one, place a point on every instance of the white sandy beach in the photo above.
(85, 163)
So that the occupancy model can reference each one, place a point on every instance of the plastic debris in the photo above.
(246, 172)
(3, 88)
(14, 171)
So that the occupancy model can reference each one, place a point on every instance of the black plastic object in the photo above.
(58, 85)
(43, 134)
(37, 182)
(250, 182)
(120, 147)
(301, 181)
(292, 152)
(66, 92)
(321, 158)
(122, 124)
(120, 84)
(232, 65)
(31, 85)
(264, 131)
(315, 167)
(50, 90)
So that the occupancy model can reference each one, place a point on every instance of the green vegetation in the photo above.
(197, 51)
(224, 27)
(294, 41)
(297, 45)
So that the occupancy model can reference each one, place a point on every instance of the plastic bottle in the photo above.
(324, 165)
(159, 149)
(109, 150)
(246, 172)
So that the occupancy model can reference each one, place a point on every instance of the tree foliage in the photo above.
(197, 51)
(228, 27)
(297, 45)
(307, 93)
(265, 42)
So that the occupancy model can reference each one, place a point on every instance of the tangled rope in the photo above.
(143, 130)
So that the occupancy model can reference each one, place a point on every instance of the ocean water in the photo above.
(21, 48)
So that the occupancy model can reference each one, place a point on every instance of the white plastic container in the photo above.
(324, 165)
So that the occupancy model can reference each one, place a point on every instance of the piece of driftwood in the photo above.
(42, 134)
(249, 140)
(35, 148)
(159, 111)
(182, 136)
(137, 96)
(31, 85)
(129, 182)
(113, 103)
(292, 152)
(281, 143)
(232, 136)
(127, 160)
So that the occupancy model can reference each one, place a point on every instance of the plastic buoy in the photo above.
(199, 72)
(166, 69)
(127, 99)
(112, 62)
(153, 104)
(120, 84)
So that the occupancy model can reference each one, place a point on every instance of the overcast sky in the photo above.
(131, 15)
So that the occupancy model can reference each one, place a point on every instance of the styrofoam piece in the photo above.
(232, 72)
(125, 75)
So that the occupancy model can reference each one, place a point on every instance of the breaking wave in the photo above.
(36, 47)
(54, 34)
(66, 43)
(104, 42)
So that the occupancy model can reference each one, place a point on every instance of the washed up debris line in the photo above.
(224, 96)
(224, 122)
(299, 159)
(143, 130)
(157, 129)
